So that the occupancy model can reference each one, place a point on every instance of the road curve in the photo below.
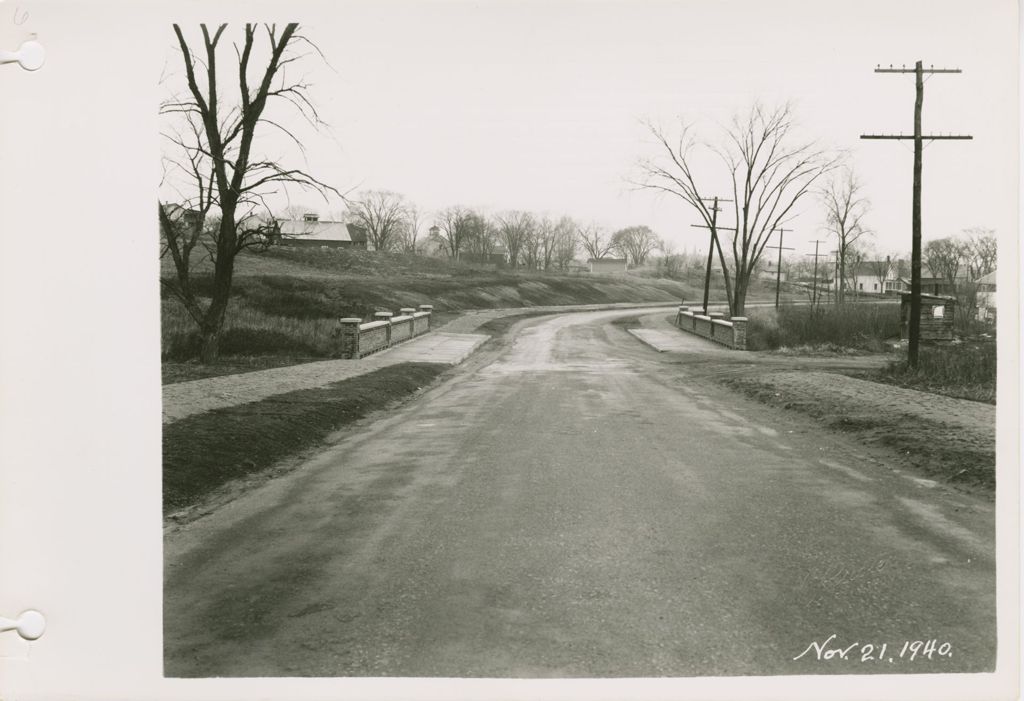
(576, 507)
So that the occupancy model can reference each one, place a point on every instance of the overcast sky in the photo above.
(538, 106)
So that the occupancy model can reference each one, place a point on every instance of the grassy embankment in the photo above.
(205, 451)
(287, 302)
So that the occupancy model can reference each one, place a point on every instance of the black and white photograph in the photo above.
(600, 344)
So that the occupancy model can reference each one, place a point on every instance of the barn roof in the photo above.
(989, 279)
(322, 231)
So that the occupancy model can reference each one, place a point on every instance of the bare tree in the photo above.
(548, 239)
(454, 228)
(635, 243)
(595, 242)
(882, 270)
(671, 263)
(515, 228)
(409, 235)
(856, 256)
(845, 209)
(944, 258)
(981, 251)
(480, 237)
(769, 175)
(532, 242)
(565, 242)
(383, 215)
(212, 151)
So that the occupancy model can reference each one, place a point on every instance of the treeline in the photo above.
(520, 238)
(961, 261)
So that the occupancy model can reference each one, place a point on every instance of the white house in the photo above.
(871, 276)
(771, 272)
(987, 297)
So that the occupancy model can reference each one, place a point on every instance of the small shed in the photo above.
(936, 317)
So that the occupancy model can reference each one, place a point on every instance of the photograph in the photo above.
(586, 349)
(582, 340)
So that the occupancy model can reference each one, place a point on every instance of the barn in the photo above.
(311, 232)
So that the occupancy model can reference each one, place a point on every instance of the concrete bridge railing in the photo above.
(714, 326)
(359, 339)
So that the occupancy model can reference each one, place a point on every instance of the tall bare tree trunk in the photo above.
(841, 282)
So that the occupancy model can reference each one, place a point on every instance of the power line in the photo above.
(919, 71)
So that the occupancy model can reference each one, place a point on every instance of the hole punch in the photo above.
(30, 625)
(30, 55)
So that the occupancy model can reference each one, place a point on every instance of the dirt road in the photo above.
(575, 505)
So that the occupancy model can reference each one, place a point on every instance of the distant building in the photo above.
(312, 232)
(770, 272)
(497, 257)
(866, 278)
(183, 215)
(607, 265)
(987, 297)
(897, 285)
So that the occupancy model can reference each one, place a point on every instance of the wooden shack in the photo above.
(936, 317)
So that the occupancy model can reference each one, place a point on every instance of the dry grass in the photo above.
(963, 370)
(864, 327)
(248, 332)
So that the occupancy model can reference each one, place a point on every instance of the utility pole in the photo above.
(778, 271)
(915, 255)
(814, 295)
(714, 242)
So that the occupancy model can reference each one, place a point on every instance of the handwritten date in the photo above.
(910, 651)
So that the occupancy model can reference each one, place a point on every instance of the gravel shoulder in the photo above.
(947, 439)
(952, 440)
